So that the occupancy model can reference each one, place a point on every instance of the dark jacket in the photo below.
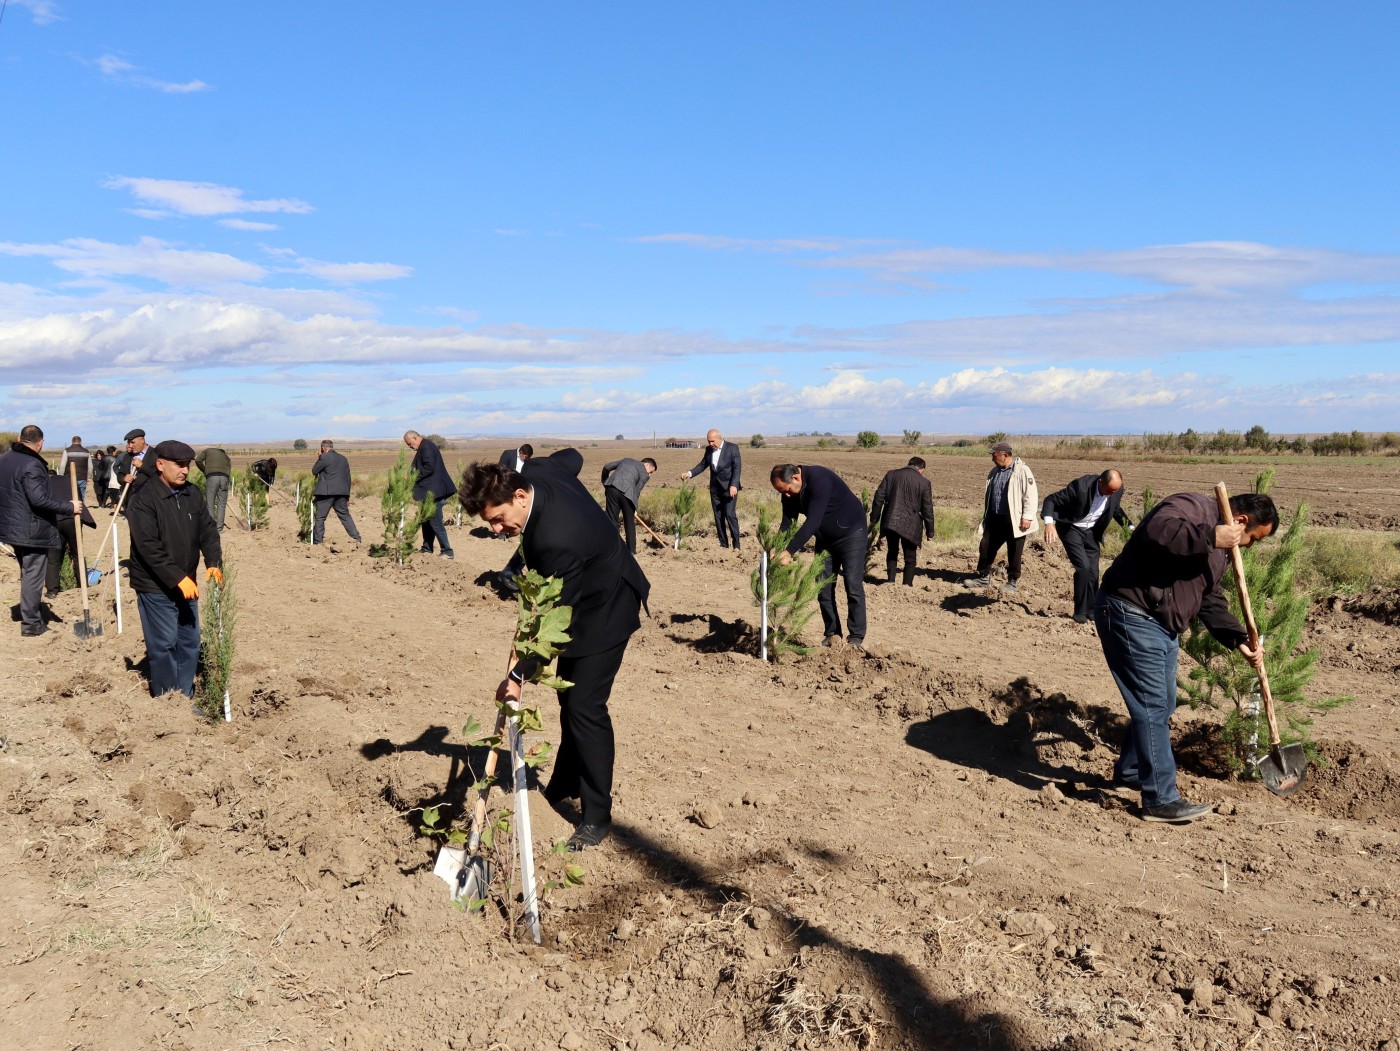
(170, 529)
(214, 461)
(28, 510)
(1073, 502)
(264, 470)
(432, 473)
(569, 536)
(903, 502)
(146, 472)
(60, 488)
(627, 476)
(332, 471)
(101, 470)
(508, 458)
(832, 510)
(727, 472)
(1171, 568)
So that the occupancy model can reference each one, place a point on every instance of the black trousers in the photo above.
(996, 531)
(618, 504)
(584, 765)
(847, 557)
(726, 509)
(434, 529)
(323, 507)
(895, 543)
(55, 563)
(1083, 552)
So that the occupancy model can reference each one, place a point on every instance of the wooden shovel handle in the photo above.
(80, 570)
(649, 529)
(116, 511)
(1242, 588)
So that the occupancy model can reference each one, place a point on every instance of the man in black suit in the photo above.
(837, 520)
(432, 479)
(903, 502)
(516, 459)
(1079, 513)
(565, 534)
(332, 473)
(723, 463)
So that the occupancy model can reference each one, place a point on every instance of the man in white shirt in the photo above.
(723, 462)
(1078, 514)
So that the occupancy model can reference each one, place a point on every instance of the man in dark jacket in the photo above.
(1079, 514)
(332, 473)
(101, 475)
(834, 516)
(1167, 575)
(433, 480)
(565, 534)
(28, 516)
(62, 489)
(170, 529)
(516, 458)
(218, 470)
(723, 462)
(137, 468)
(623, 481)
(903, 503)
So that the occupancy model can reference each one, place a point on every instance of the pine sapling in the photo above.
(305, 497)
(872, 529)
(217, 616)
(250, 494)
(792, 589)
(683, 510)
(401, 514)
(1280, 609)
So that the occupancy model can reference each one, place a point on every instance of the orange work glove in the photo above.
(215, 574)
(188, 588)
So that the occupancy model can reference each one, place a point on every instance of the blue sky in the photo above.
(274, 220)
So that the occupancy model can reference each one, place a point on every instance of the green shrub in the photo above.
(868, 439)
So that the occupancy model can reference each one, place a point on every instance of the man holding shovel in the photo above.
(170, 529)
(1167, 575)
(564, 533)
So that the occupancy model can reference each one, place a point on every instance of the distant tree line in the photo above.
(1257, 439)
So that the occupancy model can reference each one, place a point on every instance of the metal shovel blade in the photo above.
(1284, 769)
(476, 878)
(87, 629)
(94, 577)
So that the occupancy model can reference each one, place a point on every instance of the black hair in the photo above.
(783, 472)
(648, 459)
(488, 483)
(916, 461)
(526, 451)
(1258, 508)
(31, 433)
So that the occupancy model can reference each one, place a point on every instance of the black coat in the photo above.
(28, 510)
(832, 511)
(432, 473)
(903, 502)
(1072, 503)
(170, 529)
(332, 471)
(726, 472)
(569, 536)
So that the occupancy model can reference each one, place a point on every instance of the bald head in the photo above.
(714, 439)
(1110, 482)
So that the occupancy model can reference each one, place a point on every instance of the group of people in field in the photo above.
(1167, 575)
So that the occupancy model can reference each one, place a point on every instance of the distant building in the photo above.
(681, 443)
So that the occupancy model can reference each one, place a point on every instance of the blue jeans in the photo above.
(171, 627)
(1142, 654)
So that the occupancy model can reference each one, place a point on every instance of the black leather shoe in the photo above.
(1080, 618)
(589, 835)
(31, 633)
(1178, 813)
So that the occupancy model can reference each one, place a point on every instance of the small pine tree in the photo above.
(683, 511)
(306, 496)
(402, 516)
(245, 484)
(1280, 609)
(218, 613)
(792, 589)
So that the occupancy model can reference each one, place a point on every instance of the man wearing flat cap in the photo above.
(1009, 508)
(170, 528)
(135, 466)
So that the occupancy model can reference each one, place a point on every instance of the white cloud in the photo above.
(354, 273)
(119, 69)
(42, 11)
(245, 224)
(351, 419)
(203, 198)
(148, 257)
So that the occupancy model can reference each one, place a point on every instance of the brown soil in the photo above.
(910, 847)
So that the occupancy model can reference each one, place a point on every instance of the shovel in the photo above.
(94, 575)
(1286, 765)
(464, 870)
(650, 530)
(87, 629)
